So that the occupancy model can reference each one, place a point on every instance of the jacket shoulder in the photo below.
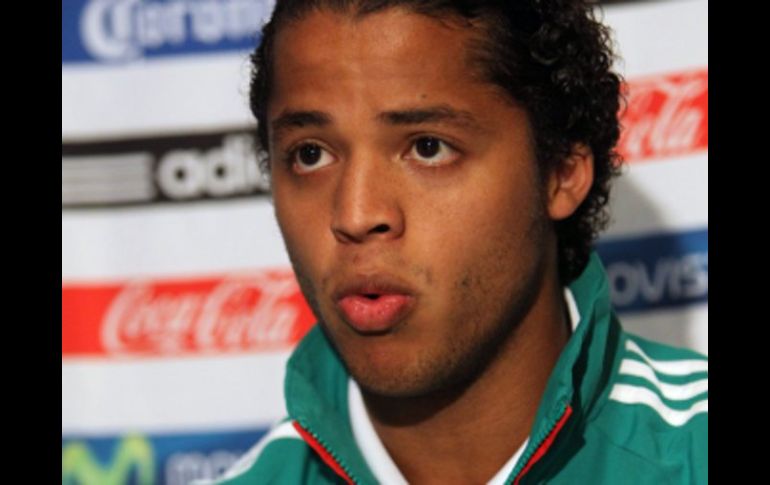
(657, 408)
(663, 385)
(280, 457)
(661, 351)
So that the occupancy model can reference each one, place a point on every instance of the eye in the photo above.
(309, 157)
(430, 150)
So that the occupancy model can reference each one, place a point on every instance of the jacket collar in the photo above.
(316, 383)
(580, 373)
(316, 388)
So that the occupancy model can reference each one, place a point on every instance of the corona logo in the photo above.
(123, 30)
(80, 467)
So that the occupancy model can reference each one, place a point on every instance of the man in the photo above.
(440, 170)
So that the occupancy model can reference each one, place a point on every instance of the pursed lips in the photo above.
(374, 304)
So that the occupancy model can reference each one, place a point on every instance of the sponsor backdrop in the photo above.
(179, 307)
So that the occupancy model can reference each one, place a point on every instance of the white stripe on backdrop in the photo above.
(162, 394)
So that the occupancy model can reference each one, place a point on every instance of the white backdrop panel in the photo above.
(172, 394)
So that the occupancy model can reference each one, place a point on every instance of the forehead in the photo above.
(392, 30)
(393, 50)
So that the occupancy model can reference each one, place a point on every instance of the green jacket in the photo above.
(617, 409)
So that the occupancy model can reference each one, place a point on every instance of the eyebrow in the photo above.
(299, 119)
(289, 120)
(430, 114)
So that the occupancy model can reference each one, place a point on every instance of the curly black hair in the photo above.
(553, 57)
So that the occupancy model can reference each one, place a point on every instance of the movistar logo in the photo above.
(79, 467)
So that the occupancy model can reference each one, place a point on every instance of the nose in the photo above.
(366, 204)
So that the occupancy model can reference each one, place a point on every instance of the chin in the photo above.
(401, 365)
(395, 376)
(392, 388)
(381, 369)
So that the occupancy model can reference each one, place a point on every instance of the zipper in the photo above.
(544, 441)
(324, 452)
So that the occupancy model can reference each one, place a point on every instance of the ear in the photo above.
(568, 184)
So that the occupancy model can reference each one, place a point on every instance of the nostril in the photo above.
(381, 228)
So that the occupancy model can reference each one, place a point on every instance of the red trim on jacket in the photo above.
(547, 442)
(322, 452)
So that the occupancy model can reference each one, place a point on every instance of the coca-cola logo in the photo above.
(237, 313)
(666, 116)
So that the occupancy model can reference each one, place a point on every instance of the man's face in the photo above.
(408, 196)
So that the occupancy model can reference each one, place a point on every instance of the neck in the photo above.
(433, 438)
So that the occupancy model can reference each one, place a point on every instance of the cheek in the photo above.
(477, 243)
(494, 221)
(301, 246)
(300, 224)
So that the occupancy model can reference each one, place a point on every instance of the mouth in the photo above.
(374, 304)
